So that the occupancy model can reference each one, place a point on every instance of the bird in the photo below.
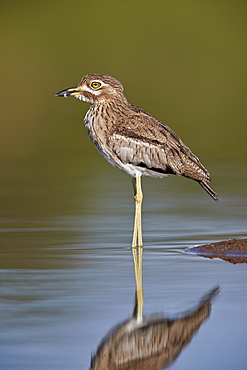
(134, 141)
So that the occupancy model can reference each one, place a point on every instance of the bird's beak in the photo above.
(69, 92)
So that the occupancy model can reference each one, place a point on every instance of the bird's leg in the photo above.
(137, 233)
(137, 238)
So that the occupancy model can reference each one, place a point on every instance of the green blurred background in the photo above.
(182, 61)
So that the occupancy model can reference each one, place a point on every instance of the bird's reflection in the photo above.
(137, 260)
(150, 343)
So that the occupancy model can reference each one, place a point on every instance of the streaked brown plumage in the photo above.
(130, 138)
(134, 141)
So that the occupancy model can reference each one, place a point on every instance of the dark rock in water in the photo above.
(232, 250)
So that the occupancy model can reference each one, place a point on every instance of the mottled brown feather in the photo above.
(133, 140)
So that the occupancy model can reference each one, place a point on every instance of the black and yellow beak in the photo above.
(69, 92)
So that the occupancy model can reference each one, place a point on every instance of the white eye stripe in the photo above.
(92, 91)
(88, 89)
(97, 91)
(100, 82)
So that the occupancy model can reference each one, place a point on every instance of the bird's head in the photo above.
(95, 88)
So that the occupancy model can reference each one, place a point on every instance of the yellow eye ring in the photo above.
(95, 85)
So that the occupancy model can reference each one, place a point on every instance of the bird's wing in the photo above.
(142, 140)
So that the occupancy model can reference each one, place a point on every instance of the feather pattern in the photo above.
(133, 140)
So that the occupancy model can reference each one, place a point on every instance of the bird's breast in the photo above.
(99, 129)
(96, 125)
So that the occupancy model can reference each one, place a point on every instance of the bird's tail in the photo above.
(209, 190)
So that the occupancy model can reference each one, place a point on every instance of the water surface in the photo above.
(67, 274)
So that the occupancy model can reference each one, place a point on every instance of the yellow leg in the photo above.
(137, 240)
(137, 233)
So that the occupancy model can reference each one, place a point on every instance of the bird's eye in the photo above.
(95, 85)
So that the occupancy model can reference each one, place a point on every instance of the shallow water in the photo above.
(67, 272)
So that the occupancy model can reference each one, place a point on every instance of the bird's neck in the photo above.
(102, 115)
(110, 104)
